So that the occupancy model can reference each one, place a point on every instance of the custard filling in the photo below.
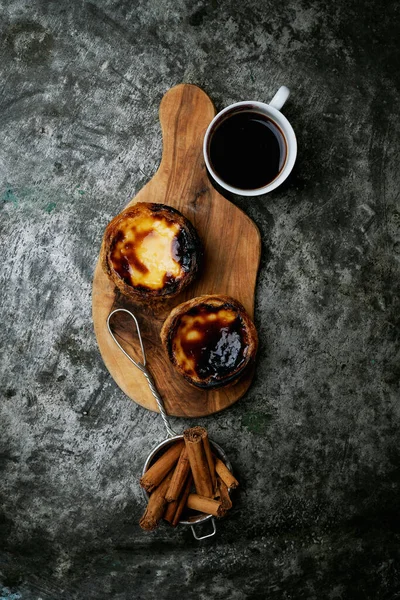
(144, 253)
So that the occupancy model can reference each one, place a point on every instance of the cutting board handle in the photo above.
(185, 113)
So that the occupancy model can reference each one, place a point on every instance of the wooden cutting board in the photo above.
(232, 255)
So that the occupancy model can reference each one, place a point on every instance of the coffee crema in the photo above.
(247, 149)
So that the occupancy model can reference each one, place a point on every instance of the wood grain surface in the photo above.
(232, 254)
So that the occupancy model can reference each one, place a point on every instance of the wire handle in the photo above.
(203, 537)
(142, 367)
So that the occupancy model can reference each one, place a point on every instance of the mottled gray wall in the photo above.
(315, 441)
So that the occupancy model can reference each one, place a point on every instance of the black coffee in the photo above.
(247, 150)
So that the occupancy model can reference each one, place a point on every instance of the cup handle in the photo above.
(280, 97)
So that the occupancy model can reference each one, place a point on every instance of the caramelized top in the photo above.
(146, 251)
(210, 341)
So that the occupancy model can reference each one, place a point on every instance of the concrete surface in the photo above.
(315, 442)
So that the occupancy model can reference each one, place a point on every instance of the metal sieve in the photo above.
(172, 436)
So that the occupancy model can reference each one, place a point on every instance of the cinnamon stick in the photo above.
(225, 474)
(170, 511)
(205, 505)
(183, 500)
(156, 505)
(179, 477)
(194, 441)
(223, 494)
(153, 477)
(210, 459)
(175, 508)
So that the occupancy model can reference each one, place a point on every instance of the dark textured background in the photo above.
(315, 442)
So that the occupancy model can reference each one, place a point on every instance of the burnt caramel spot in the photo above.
(210, 342)
(176, 249)
(129, 258)
(169, 280)
(183, 250)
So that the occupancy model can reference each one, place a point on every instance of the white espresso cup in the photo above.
(272, 112)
